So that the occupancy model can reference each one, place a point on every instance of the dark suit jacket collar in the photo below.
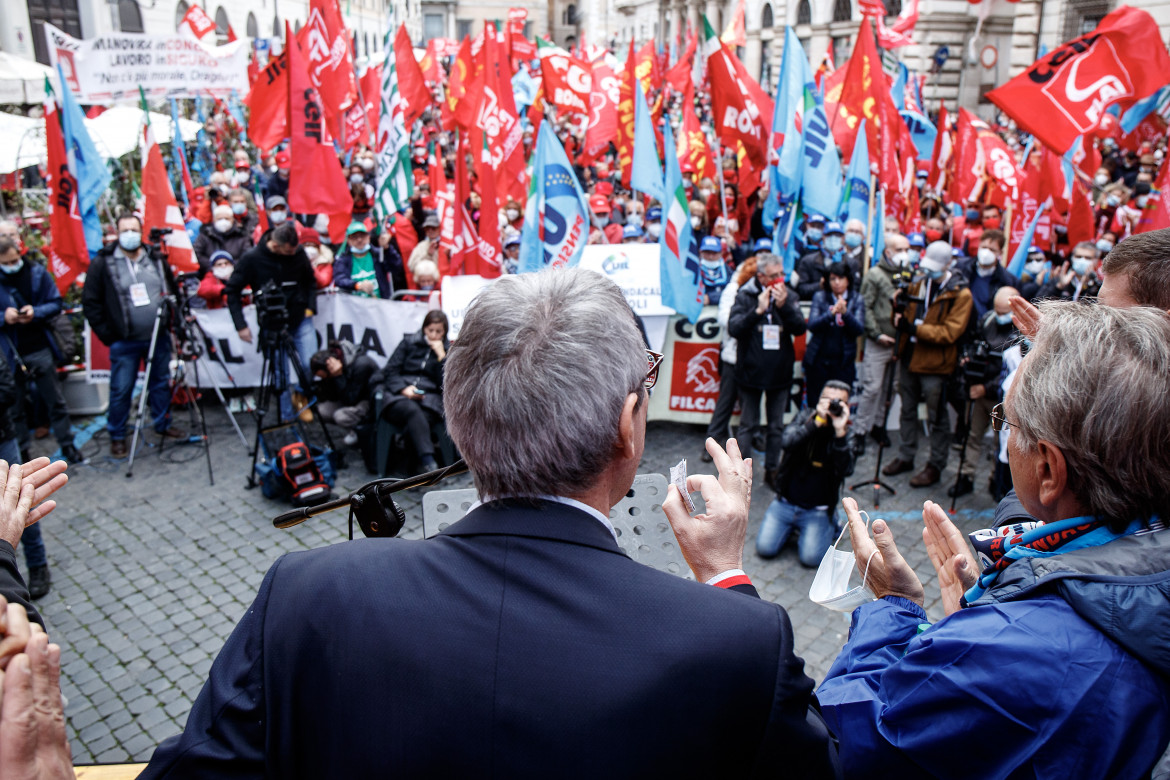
(546, 520)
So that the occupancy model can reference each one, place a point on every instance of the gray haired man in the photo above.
(877, 290)
(520, 640)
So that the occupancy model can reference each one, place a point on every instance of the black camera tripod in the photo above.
(277, 345)
(182, 328)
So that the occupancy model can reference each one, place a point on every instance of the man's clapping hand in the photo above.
(23, 490)
(33, 745)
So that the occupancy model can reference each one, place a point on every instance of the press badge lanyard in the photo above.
(138, 294)
(771, 335)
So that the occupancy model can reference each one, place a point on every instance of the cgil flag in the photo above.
(678, 264)
(67, 253)
(160, 209)
(1065, 93)
(93, 177)
(556, 220)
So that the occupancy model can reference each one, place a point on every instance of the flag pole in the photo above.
(869, 223)
(722, 189)
(1007, 224)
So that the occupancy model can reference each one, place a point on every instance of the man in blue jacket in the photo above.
(1052, 658)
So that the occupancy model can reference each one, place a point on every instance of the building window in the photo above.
(432, 26)
(569, 18)
(766, 63)
(462, 28)
(804, 13)
(842, 48)
(180, 13)
(842, 11)
(1082, 16)
(766, 17)
(221, 26)
(893, 7)
(528, 30)
(277, 28)
(129, 16)
(252, 28)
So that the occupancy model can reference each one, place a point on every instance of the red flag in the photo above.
(743, 111)
(160, 209)
(496, 118)
(646, 68)
(864, 95)
(679, 75)
(463, 239)
(231, 35)
(458, 111)
(326, 44)
(316, 183)
(411, 84)
(1159, 216)
(267, 104)
(371, 88)
(429, 64)
(1080, 217)
(694, 154)
(567, 82)
(942, 154)
(826, 68)
(198, 22)
(519, 47)
(736, 32)
(1063, 94)
(488, 255)
(625, 117)
(604, 95)
(68, 256)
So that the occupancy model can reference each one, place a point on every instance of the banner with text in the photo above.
(113, 66)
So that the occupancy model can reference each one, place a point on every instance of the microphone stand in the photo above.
(377, 513)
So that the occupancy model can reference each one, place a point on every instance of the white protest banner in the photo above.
(458, 293)
(113, 66)
(634, 268)
(373, 324)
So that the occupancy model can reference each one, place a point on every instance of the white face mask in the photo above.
(222, 273)
(986, 258)
(366, 163)
(1034, 267)
(513, 215)
(654, 229)
(900, 259)
(224, 225)
(355, 178)
(277, 217)
(1101, 179)
(696, 223)
(830, 587)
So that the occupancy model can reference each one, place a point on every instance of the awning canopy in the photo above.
(23, 81)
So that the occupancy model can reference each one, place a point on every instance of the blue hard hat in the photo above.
(763, 245)
(711, 244)
(834, 227)
(653, 214)
(917, 239)
(631, 231)
(810, 219)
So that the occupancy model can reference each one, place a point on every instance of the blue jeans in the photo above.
(125, 358)
(34, 545)
(816, 526)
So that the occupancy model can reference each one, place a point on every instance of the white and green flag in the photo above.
(395, 181)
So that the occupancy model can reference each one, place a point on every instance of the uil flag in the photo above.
(316, 183)
(556, 219)
(857, 179)
(821, 165)
(160, 209)
(786, 145)
(68, 256)
(395, 182)
(646, 175)
(1063, 94)
(678, 261)
(93, 177)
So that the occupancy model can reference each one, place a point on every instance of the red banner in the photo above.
(604, 95)
(267, 104)
(567, 82)
(160, 209)
(411, 84)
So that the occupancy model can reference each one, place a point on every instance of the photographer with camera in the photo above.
(284, 268)
(933, 322)
(982, 366)
(124, 288)
(815, 460)
(877, 292)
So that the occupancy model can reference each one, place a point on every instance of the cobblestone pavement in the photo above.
(151, 573)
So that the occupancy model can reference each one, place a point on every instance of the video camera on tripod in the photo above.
(975, 360)
(272, 302)
(902, 298)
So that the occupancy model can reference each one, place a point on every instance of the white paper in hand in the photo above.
(678, 478)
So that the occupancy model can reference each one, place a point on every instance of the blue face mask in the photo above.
(972, 216)
(130, 240)
(852, 240)
(14, 268)
(833, 243)
(1104, 246)
(934, 275)
(1004, 319)
(1081, 265)
(813, 236)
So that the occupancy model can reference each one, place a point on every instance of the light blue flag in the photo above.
(898, 88)
(93, 177)
(922, 133)
(855, 204)
(646, 172)
(877, 230)
(678, 276)
(556, 221)
(1142, 109)
(1066, 167)
(178, 151)
(237, 112)
(821, 174)
(523, 89)
(784, 236)
(1016, 266)
(793, 100)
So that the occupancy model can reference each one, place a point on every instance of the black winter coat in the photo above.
(235, 242)
(260, 265)
(413, 363)
(100, 299)
(9, 397)
(353, 386)
(756, 367)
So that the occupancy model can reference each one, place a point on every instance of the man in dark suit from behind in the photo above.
(521, 641)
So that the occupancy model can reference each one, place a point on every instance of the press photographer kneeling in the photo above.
(815, 459)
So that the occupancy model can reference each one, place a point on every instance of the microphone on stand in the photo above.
(377, 513)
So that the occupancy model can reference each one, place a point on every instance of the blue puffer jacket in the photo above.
(1058, 671)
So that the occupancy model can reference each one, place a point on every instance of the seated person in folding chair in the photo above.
(412, 381)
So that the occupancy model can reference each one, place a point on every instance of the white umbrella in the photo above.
(23, 81)
(22, 142)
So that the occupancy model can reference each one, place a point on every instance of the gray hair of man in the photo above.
(1088, 246)
(535, 384)
(1094, 386)
(765, 260)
